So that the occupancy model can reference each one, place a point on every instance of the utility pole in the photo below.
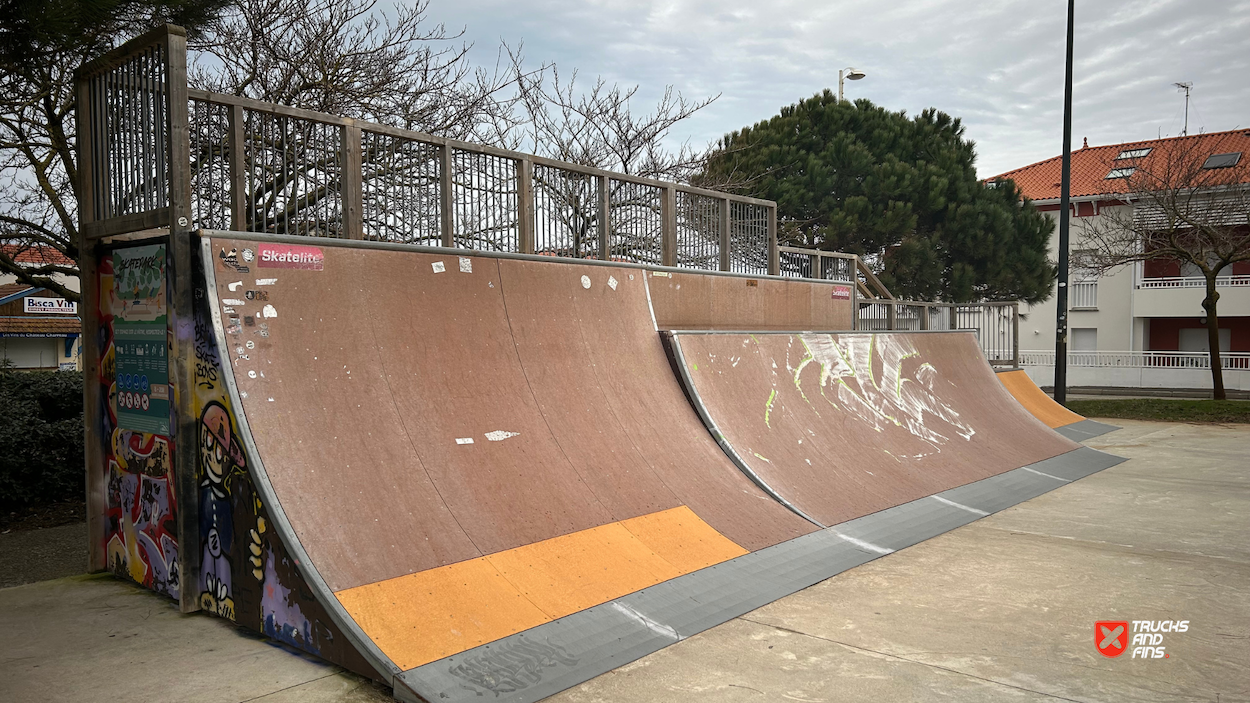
(1061, 299)
(1185, 86)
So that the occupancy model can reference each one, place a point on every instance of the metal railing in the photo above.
(996, 324)
(1138, 359)
(1085, 295)
(158, 154)
(1193, 282)
(816, 263)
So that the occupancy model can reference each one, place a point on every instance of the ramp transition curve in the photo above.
(1043, 407)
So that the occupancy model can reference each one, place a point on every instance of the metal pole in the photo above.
(1061, 299)
(841, 80)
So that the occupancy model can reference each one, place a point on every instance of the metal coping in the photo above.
(260, 479)
(710, 424)
(546, 659)
(456, 251)
(961, 330)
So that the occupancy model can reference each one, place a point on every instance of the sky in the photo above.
(996, 65)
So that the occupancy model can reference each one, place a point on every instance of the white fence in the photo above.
(1192, 282)
(1139, 369)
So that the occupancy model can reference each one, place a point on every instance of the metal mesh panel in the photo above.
(698, 231)
(748, 238)
(484, 201)
(210, 165)
(874, 316)
(636, 222)
(399, 190)
(566, 214)
(293, 169)
(129, 125)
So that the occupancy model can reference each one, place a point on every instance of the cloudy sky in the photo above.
(998, 65)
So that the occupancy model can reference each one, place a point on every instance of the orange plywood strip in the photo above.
(422, 617)
(1035, 400)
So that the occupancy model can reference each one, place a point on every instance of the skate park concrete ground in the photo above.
(1001, 609)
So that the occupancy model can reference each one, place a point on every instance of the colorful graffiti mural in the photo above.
(246, 574)
(140, 535)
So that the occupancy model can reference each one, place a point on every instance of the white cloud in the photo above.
(998, 66)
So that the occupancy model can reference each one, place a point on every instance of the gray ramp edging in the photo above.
(544, 660)
(1085, 429)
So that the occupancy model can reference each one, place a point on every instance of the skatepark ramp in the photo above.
(490, 482)
(1043, 407)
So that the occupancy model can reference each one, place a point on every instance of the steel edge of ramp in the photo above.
(693, 393)
(549, 658)
(382, 664)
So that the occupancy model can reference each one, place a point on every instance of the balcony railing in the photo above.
(1193, 282)
(1085, 295)
(1138, 359)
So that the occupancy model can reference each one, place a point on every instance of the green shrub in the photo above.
(41, 437)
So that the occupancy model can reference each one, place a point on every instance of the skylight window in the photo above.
(1222, 160)
(1132, 154)
(1123, 172)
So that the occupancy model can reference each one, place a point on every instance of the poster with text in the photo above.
(140, 334)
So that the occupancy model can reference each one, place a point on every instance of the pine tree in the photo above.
(900, 192)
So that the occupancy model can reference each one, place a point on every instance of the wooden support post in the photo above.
(525, 206)
(181, 309)
(89, 279)
(954, 317)
(352, 184)
(668, 226)
(774, 255)
(726, 261)
(924, 317)
(235, 141)
(605, 223)
(446, 197)
(892, 315)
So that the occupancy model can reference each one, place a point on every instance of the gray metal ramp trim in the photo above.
(547, 659)
(1085, 429)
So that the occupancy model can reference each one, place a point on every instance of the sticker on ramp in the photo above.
(1111, 637)
(291, 256)
(500, 435)
(466, 265)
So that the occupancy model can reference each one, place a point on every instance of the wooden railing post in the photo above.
(668, 226)
(725, 253)
(235, 140)
(446, 197)
(924, 317)
(605, 222)
(891, 314)
(774, 255)
(352, 185)
(525, 206)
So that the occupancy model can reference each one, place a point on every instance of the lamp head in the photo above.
(854, 74)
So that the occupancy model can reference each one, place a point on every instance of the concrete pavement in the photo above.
(1002, 609)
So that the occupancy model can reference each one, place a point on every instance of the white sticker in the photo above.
(248, 255)
(500, 435)
(238, 350)
(251, 374)
(228, 311)
(659, 274)
(438, 267)
(269, 311)
(612, 282)
(250, 344)
(233, 301)
(271, 400)
(234, 286)
(466, 265)
(585, 281)
(631, 276)
(464, 440)
(266, 281)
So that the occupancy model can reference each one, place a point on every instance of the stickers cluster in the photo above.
(140, 514)
(246, 574)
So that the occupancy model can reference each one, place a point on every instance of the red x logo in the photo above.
(1111, 637)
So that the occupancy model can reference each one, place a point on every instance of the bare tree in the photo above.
(1184, 204)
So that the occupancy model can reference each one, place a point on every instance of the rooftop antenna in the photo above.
(1185, 86)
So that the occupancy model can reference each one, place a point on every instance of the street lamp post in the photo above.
(846, 74)
(1065, 180)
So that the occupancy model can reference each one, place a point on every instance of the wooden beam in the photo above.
(446, 197)
(726, 261)
(525, 206)
(605, 221)
(235, 142)
(351, 183)
(668, 226)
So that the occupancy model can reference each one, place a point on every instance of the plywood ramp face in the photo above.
(1035, 400)
(467, 447)
(845, 425)
(697, 301)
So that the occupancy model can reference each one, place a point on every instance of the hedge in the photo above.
(41, 437)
